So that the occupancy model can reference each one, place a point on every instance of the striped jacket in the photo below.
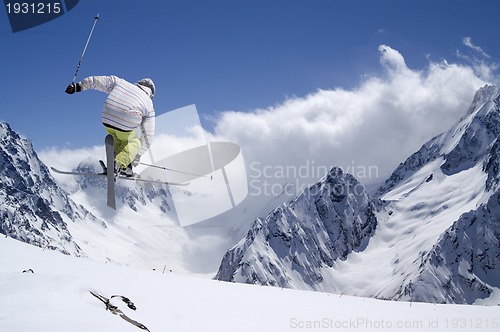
(127, 106)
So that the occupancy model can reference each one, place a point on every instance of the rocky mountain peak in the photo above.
(33, 207)
(467, 142)
(326, 222)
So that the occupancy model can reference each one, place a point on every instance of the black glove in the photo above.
(72, 88)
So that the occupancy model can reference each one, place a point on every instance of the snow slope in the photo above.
(56, 298)
(414, 223)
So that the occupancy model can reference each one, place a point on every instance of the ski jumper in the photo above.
(127, 107)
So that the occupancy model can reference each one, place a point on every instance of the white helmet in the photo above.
(147, 82)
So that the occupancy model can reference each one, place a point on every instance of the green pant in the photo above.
(127, 145)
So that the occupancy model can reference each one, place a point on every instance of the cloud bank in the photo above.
(367, 130)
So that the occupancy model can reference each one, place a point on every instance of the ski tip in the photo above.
(55, 170)
(109, 139)
(111, 204)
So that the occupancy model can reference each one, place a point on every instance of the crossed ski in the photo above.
(110, 174)
(116, 311)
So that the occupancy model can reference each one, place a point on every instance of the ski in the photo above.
(110, 170)
(116, 311)
(121, 177)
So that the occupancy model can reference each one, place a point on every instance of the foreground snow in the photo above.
(56, 298)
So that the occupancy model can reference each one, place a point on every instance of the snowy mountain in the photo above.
(433, 236)
(462, 147)
(34, 209)
(464, 265)
(290, 246)
(52, 211)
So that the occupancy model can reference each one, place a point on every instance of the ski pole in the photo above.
(177, 171)
(85, 48)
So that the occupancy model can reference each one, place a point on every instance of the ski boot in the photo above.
(127, 171)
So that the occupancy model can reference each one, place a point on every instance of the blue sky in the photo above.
(223, 55)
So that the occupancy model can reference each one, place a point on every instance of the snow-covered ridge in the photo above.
(34, 209)
(469, 251)
(468, 141)
(290, 246)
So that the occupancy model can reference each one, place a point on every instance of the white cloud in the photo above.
(69, 159)
(392, 59)
(467, 41)
(367, 130)
(481, 62)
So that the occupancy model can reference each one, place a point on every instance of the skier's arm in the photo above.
(147, 133)
(100, 83)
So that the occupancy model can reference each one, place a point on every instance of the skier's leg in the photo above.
(113, 132)
(129, 148)
(120, 141)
